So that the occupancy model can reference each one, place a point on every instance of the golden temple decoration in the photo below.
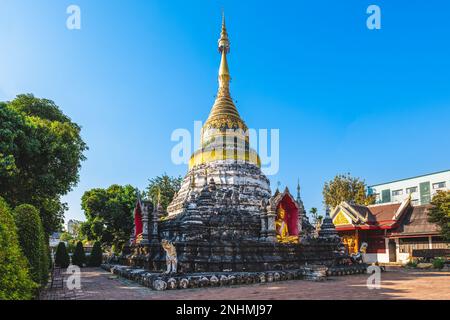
(283, 229)
(224, 120)
(351, 243)
(341, 219)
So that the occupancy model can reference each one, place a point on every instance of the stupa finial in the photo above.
(224, 72)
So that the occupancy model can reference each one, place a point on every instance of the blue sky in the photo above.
(375, 103)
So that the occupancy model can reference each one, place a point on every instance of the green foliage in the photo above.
(440, 213)
(79, 257)
(95, 259)
(15, 278)
(62, 258)
(45, 260)
(162, 189)
(346, 188)
(41, 151)
(32, 241)
(438, 263)
(109, 214)
(412, 264)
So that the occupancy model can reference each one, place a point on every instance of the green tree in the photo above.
(95, 259)
(15, 278)
(346, 188)
(62, 258)
(440, 213)
(313, 213)
(41, 151)
(109, 214)
(32, 241)
(163, 189)
(79, 257)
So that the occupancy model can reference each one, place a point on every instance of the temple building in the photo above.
(224, 216)
(392, 231)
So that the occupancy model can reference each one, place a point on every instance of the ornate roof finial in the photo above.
(298, 189)
(224, 72)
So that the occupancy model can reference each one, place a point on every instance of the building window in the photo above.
(439, 185)
(397, 192)
(411, 190)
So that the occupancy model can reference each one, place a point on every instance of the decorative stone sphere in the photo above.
(276, 276)
(171, 284)
(214, 281)
(223, 280)
(204, 282)
(262, 277)
(184, 283)
(159, 285)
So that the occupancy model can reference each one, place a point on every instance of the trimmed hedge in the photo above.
(79, 257)
(32, 241)
(15, 278)
(62, 258)
(96, 257)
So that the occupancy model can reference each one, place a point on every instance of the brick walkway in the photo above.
(399, 284)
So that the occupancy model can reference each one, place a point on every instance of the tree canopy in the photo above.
(109, 214)
(163, 189)
(346, 188)
(440, 212)
(41, 151)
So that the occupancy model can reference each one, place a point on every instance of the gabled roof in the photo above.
(415, 223)
(384, 216)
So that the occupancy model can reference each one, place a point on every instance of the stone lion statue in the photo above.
(359, 257)
(171, 256)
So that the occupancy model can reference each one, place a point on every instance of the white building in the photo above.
(421, 188)
(72, 226)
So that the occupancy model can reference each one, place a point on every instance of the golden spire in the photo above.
(224, 120)
(224, 111)
(224, 72)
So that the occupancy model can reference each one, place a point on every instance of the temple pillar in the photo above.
(154, 237)
(145, 208)
(271, 227)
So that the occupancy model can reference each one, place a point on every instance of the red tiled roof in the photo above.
(386, 212)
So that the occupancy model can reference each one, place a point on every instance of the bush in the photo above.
(412, 264)
(15, 278)
(45, 260)
(62, 258)
(79, 257)
(438, 263)
(95, 260)
(32, 241)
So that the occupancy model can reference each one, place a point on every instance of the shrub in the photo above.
(45, 260)
(438, 263)
(79, 257)
(15, 278)
(95, 260)
(32, 240)
(412, 264)
(62, 258)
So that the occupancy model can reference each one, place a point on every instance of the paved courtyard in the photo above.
(399, 284)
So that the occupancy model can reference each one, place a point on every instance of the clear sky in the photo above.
(375, 103)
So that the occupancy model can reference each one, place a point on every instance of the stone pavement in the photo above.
(399, 284)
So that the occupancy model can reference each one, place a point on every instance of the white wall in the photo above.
(413, 182)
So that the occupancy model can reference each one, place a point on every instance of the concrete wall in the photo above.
(402, 185)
